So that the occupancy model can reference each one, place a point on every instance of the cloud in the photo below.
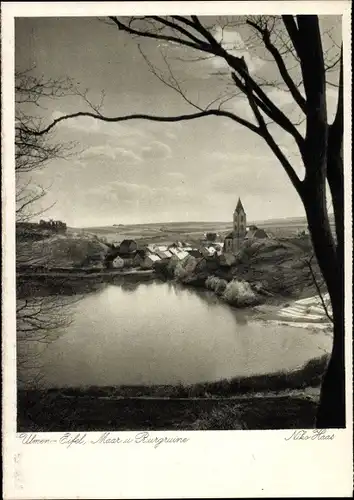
(115, 153)
(235, 160)
(127, 154)
(176, 176)
(280, 97)
(243, 109)
(170, 135)
(82, 123)
(156, 150)
(262, 177)
(232, 41)
(126, 193)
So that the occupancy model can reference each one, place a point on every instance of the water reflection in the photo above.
(40, 321)
(162, 333)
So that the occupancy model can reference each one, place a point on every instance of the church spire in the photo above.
(239, 207)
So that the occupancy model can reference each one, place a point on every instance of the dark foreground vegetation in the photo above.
(279, 401)
(58, 413)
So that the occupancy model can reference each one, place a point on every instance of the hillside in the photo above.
(62, 251)
(276, 269)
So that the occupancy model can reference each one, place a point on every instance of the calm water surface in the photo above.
(160, 333)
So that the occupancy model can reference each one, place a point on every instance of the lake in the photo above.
(161, 333)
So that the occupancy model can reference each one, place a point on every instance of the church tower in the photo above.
(239, 221)
(234, 240)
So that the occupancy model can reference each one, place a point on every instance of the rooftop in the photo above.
(239, 206)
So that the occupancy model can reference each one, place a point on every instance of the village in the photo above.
(130, 254)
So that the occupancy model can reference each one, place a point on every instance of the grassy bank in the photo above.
(43, 412)
(281, 400)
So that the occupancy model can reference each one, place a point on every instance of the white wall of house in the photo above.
(118, 263)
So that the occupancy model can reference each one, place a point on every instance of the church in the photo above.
(234, 240)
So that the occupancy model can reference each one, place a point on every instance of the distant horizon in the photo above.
(195, 221)
(300, 218)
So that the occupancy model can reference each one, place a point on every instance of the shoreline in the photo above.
(79, 273)
(297, 312)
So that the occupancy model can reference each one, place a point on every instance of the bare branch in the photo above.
(173, 83)
(157, 36)
(265, 33)
(155, 118)
(318, 288)
(264, 132)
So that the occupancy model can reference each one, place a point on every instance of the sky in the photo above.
(140, 171)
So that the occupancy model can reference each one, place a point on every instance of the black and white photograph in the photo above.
(180, 224)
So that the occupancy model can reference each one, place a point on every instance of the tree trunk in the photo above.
(331, 412)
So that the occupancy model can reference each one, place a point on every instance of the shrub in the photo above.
(218, 285)
(185, 268)
(171, 266)
(221, 286)
(240, 294)
(211, 282)
(219, 418)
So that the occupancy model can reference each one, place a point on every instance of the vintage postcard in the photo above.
(176, 249)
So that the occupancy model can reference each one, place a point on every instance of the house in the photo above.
(163, 254)
(176, 244)
(234, 240)
(173, 250)
(150, 260)
(218, 247)
(255, 232)
(161, 248)
(212, 251)
(207, 251)
(128, 258)
(139, 257)
(151, 247)
(196, 254)
(182, 255)
(110, 258)
(118, 262)
(128, 247)
(204, 251)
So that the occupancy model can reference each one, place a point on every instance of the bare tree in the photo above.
(32, 151)
(294, 45)
(38, 319)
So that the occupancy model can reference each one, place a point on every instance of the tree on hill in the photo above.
(294, 45)
(211, 237)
